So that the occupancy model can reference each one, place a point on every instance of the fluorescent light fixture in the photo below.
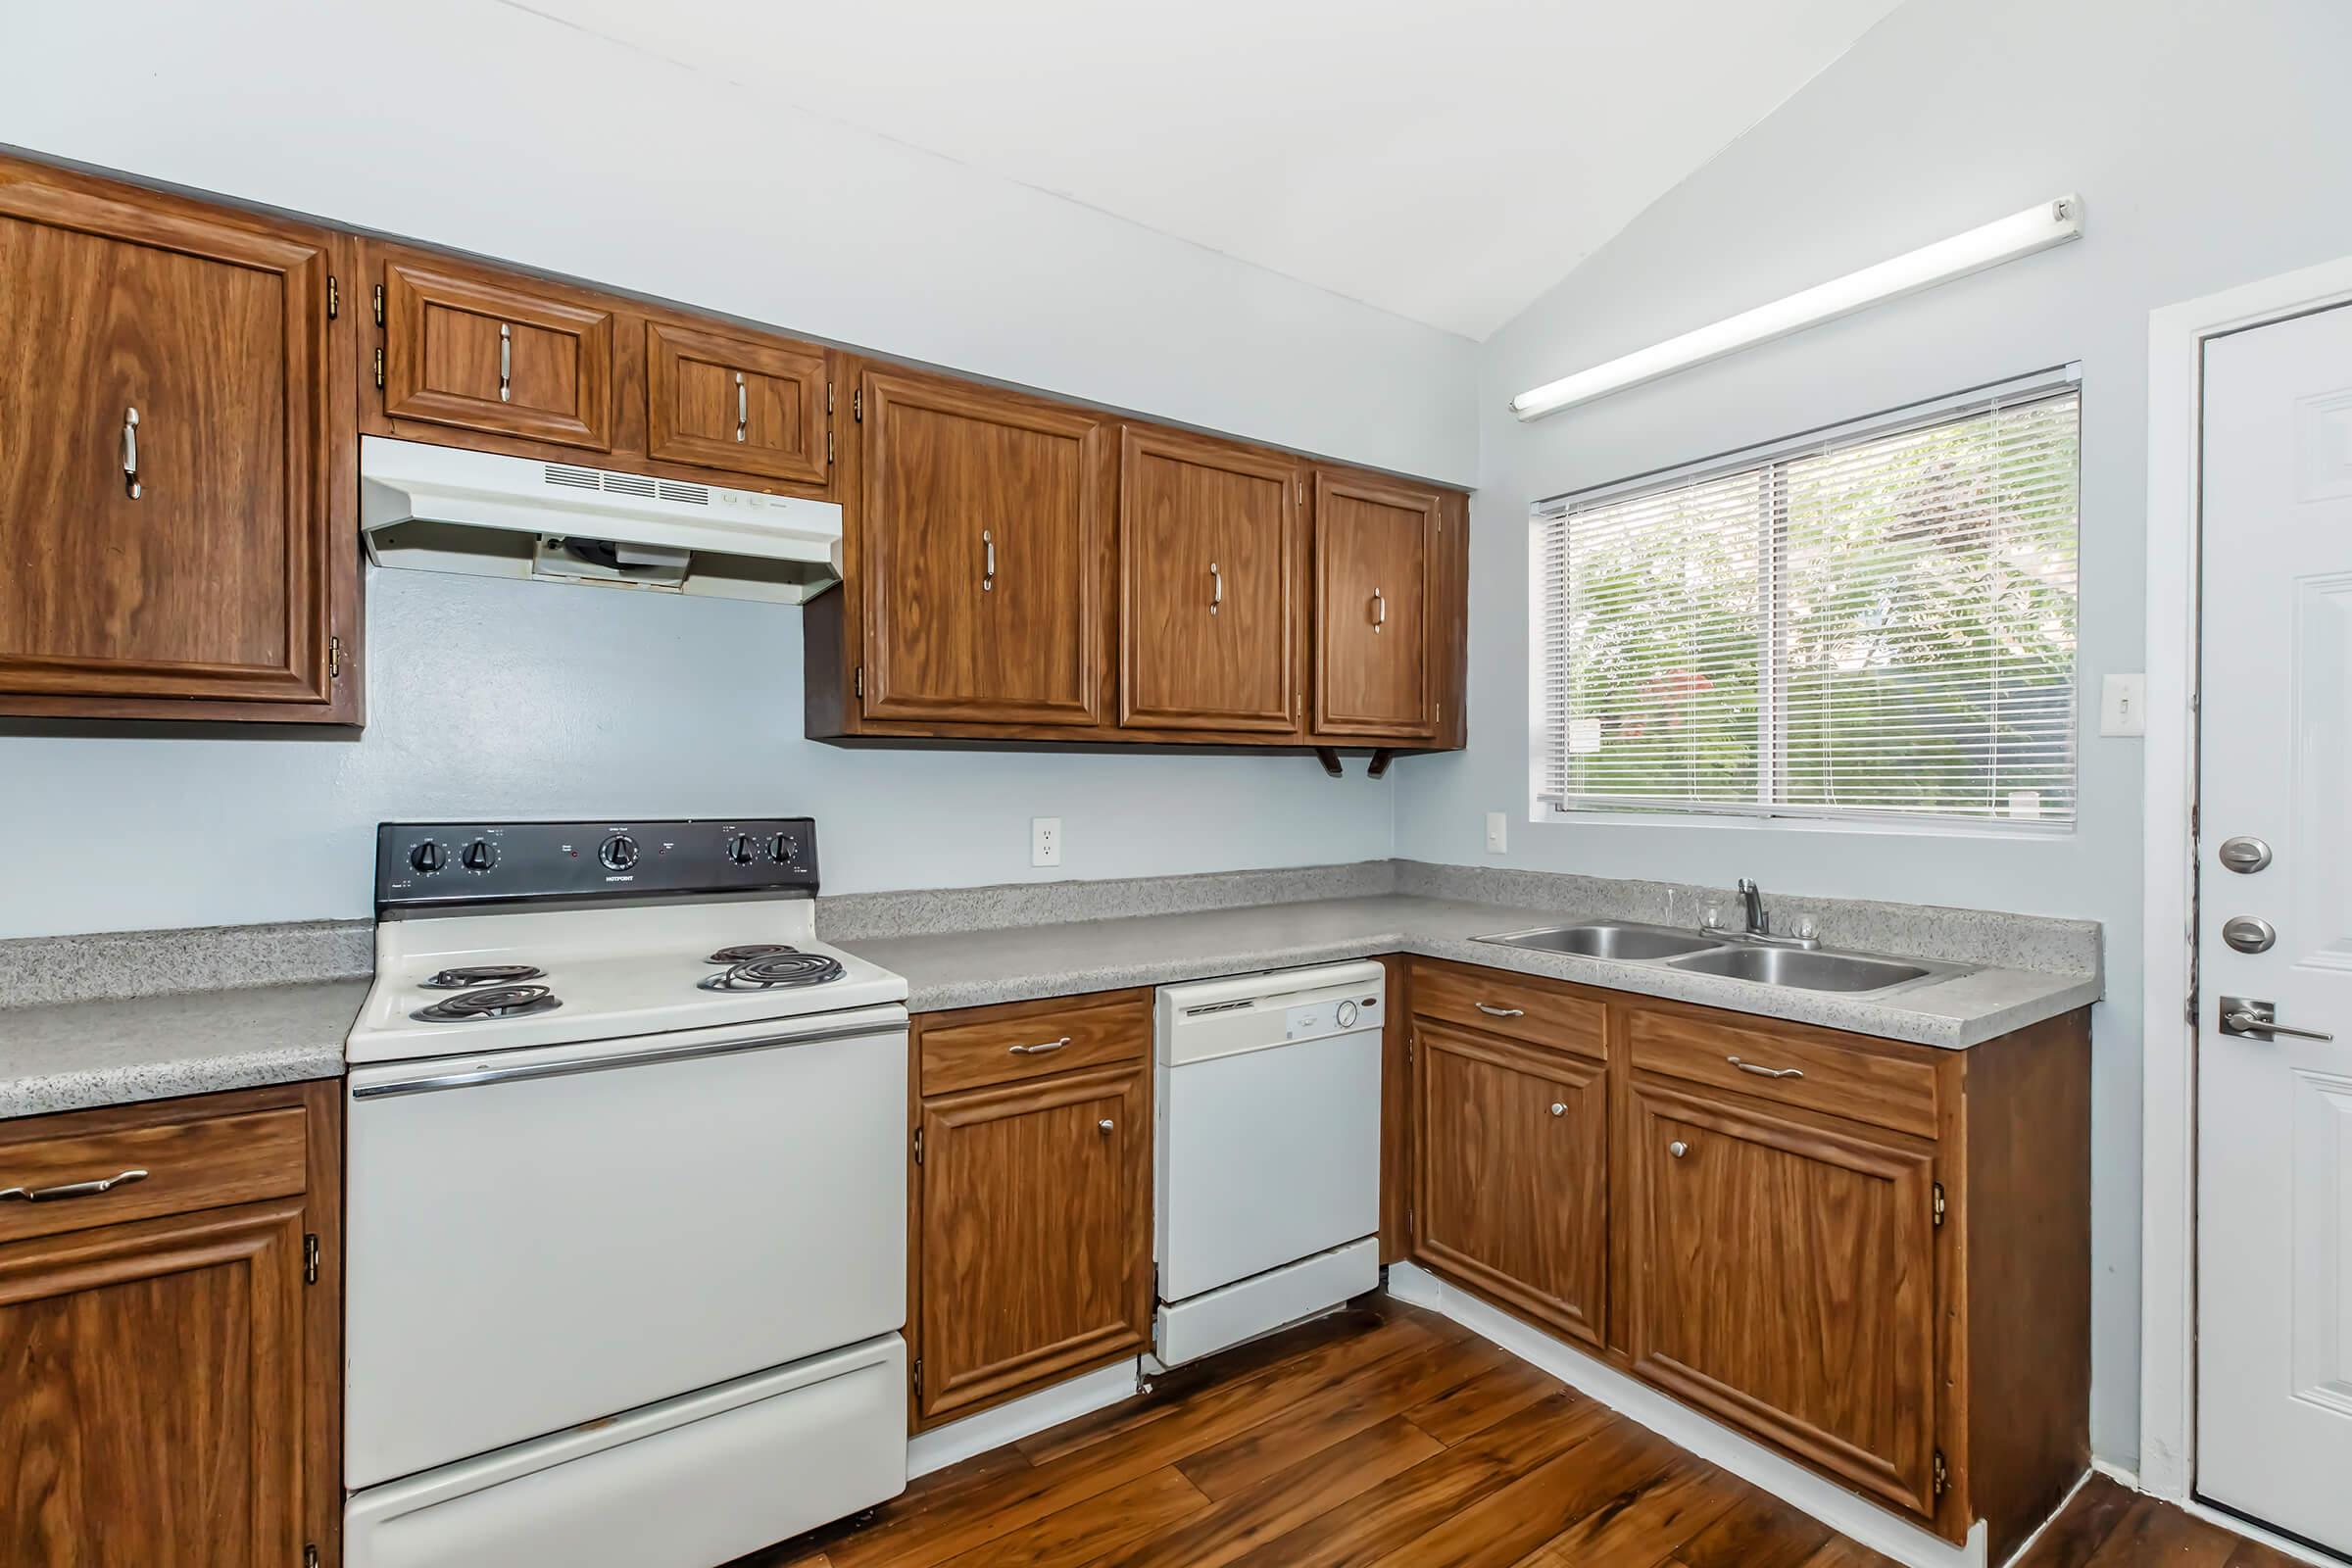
(2037, 229)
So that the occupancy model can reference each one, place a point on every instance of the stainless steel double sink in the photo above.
(1707, 953)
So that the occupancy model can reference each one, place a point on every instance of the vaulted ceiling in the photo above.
(1447, 161)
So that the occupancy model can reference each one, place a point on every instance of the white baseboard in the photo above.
(1032, 1413)
(1691, 1432)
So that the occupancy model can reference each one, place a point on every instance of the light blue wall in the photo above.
(2208, 139)
(493, 697)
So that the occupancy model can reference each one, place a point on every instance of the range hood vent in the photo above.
(438, 509)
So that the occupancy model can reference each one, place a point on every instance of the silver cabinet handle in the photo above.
(2257, 1020)
(505, 360)
(43, 1195)
(1558, 1108)
(988, 567)
(130, 453)
(1765, 1072)
(1493, 1012)
(1380, 611)
(1104, 1125)
(743, 406)
(1677, 1148)
(1216, 588)
(1041, 1047)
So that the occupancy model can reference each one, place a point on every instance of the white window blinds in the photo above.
(1879, 620)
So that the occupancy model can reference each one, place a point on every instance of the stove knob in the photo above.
(619, 854)
(428, 857)
(480, 856)
(741, 847)
(783, 848)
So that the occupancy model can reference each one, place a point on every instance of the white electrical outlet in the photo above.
(2124, 706)
(1497, 831)
(1045, 841)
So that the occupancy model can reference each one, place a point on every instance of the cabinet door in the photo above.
(1514, 1190)
(749, 406)
(1784, 1280)
(485, 351)
(1036, 1234)
(154, 1406)
(985, 555)
(1376, 593)
(165, 440)
(1208, 541)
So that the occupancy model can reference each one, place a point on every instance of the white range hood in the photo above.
(437, 508)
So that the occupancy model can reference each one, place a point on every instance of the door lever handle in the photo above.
(2253, 1019)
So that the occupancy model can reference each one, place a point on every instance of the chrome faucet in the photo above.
(1759, 927)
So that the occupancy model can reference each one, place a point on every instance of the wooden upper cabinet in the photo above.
(168, 523)
(1513, 1186)
(1035, 1235)
(493, 352)
(1783, 1278)
(985, 555)
(1208, 567)
(738, 404)
(1378, 597)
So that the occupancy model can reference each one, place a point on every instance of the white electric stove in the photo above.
(626, 1212)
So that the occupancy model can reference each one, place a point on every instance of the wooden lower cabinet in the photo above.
(1513, 1187)
(1872, 1257)
(1032, 1200)
(169, 1347)
(1783, 1278)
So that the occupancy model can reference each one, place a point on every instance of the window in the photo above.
(1877, 622)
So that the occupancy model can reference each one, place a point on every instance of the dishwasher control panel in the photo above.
(1311, 1020)
(1208, 1018)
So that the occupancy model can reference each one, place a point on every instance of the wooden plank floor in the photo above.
(1389, 1435)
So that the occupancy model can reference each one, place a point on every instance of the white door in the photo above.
(2274, 1109)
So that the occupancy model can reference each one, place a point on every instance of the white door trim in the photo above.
(2176, 337)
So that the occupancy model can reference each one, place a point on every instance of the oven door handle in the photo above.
(428, 1081)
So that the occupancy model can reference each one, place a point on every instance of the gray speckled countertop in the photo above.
(71, 1055)
(970, 968)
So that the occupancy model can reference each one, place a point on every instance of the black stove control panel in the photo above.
(427, 863)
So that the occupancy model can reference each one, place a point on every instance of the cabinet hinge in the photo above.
(1944, 1477)
(1939, 1206)
(828, 446)
(857, 405)
(310, 1557)
(334, 297)
(918, 1145)
(334, 659)
(828, 397)
(1409, 1042)
(379, 303)
(379, 369)
(862, 680)
(309, 1260)
(918, 1377)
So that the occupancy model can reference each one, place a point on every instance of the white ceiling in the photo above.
(1447, 161)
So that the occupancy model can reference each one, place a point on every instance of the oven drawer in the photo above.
(543, 1238)
(171, 1167)
(680, 1485)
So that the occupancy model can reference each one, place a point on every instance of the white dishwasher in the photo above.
(1267, 1159)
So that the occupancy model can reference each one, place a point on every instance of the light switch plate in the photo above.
(1497, 831)
(2124, 706)
(1045, 841)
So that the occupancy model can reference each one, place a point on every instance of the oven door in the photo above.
(542, 1238)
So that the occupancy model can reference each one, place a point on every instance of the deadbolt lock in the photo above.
(2249, 933)
(2245, 854)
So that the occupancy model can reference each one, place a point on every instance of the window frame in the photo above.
(2035, 386)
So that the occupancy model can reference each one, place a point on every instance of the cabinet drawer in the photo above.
(1031, 1045)
(486, 352)
(1786, 1066)
(1511, 1005)
(202, 1162)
